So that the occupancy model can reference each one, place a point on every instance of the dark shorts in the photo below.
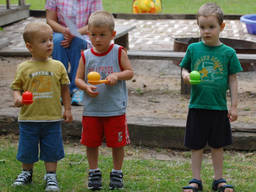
(210, 127)
(46, 135)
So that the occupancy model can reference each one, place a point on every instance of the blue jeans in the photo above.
(46, 134)
(70, 55)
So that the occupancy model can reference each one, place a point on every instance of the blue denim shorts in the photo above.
(46, 135)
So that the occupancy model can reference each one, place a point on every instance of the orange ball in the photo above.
(93, 76)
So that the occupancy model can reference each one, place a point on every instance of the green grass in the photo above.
(139, 175)
(169, 6)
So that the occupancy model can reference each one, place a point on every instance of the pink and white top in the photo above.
(78, 11)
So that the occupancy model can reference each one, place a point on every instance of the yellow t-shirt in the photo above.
(44, 80)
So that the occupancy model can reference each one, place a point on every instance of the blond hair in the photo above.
(209, 9)
(101, 18)
(32, 29)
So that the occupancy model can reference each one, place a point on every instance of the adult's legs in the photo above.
(60, 53)
(74, 54)
(70, 55)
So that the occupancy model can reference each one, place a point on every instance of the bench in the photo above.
(177, 56)
(13, 12)
(121, 38)
(122, 35)
(171, 55)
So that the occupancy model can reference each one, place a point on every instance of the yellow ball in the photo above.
(158, 6)
(145, 5)
(93, 76)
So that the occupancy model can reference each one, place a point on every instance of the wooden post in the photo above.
(124, 41)
(7, 4)
(22, 3)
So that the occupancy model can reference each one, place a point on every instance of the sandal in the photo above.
(195, 189)
(215, 184)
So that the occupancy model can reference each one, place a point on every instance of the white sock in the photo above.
(93, 170)
(117, 171)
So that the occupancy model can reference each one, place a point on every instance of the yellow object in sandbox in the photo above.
(147, 6)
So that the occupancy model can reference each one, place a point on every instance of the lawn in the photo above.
(140, 173)
(169, 6)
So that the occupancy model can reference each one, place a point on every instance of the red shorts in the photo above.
(113, 129)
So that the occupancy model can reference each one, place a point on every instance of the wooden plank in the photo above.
(121, 38)
(22, 52)
(246, 57)
(166, 55)
(123, 30)
(4, 43)
(155, 55)
(14, 14)
(148, 16)
(122, 35)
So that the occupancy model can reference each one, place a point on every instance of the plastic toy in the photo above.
(94, 78)
(195, 78)
(250, 22)
(147, 6)
(27, 98)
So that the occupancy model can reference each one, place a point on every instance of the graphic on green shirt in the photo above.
(211, 68)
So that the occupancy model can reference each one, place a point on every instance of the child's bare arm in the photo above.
(185, 75)
(233, 114)
(67, 115)
(17, 98)
(80, 82)
(125, 74)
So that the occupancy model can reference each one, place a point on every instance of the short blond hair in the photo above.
(101, 18)
(208, 9)
(32, 29)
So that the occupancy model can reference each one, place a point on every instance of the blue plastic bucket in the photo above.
(250, 21)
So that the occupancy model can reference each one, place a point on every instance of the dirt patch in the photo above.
(153, 92)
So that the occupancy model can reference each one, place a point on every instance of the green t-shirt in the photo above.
(44, 80)
(215, 64)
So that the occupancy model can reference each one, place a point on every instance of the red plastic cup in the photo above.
(27, 98)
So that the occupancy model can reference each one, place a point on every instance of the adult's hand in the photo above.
(67, 38)
(52, 20)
